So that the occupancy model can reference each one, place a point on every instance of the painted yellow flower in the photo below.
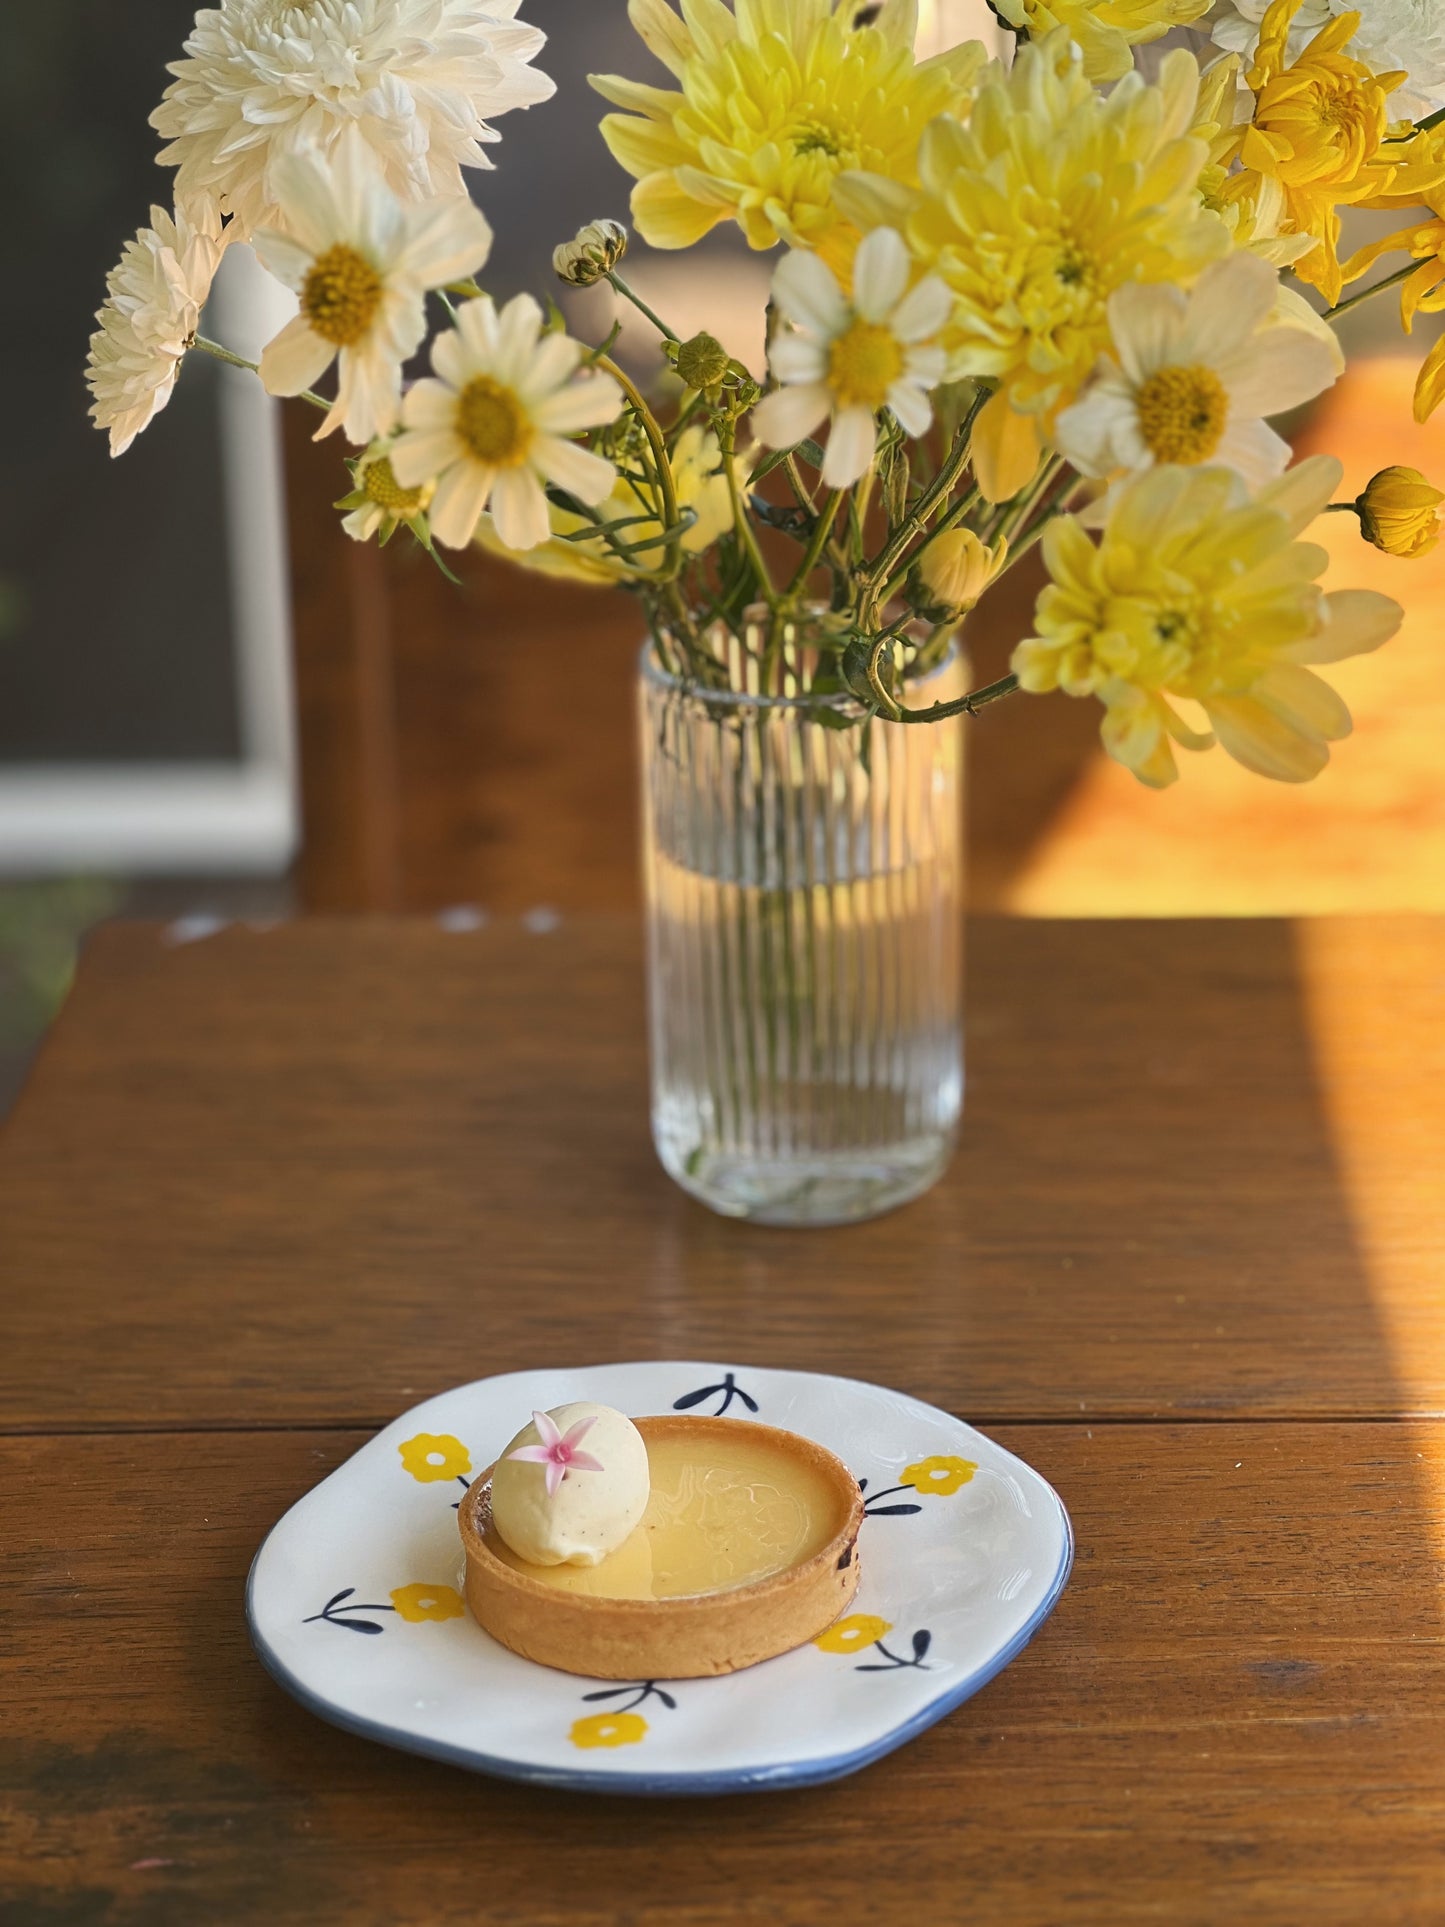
(941, 1476)
(1200, 592)
(774, 100)
(1400, 512)
(1034, 213)
(1319, 128)
(1105, 31)
(435, 1455)
(852, 1633)
(608, 1729)
(418, 1602)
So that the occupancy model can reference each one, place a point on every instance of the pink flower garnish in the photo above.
(558, 1453)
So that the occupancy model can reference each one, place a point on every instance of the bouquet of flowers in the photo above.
(1047, 300)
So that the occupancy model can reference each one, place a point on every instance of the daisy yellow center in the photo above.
(380, 483)
(1182, 413)
(493, 423)
(863, 364)
(340, 295)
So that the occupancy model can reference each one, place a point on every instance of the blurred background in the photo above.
(212, 705)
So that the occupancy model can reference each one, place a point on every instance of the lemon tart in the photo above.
(747, 1548)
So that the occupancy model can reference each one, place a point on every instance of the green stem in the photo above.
(1366, 294)
(938, 490)
(821, 531)
(661, 461)
(1341, 508)
(219, 353)
(968, 705)
(641, 306)
(744, 528)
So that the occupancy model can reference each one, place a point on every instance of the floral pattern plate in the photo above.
(355, 1607)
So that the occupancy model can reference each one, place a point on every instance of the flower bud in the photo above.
(956, 567)
(594, 251)
(702, 362)
(1398, 512)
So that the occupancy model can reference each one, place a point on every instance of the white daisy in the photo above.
(417, 78)
(361, 262)
(847, 358)
(1195, 375)
(1395, 36)
(154, 297)
(491, 430)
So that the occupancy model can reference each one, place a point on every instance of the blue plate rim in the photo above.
(760, 1779)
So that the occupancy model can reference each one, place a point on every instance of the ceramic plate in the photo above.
(355, 1605)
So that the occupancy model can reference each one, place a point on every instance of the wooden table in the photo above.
(270, 1188)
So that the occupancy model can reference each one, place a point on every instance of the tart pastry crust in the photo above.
(687, 1637)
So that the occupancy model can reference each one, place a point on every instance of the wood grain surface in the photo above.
(312, 1173)
(268, 1189)
(1235, 1714)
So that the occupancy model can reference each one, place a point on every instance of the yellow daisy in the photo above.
(774, 100)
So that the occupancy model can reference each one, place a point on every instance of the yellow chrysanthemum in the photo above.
(1400, 512)
(1199, 592)
(1422, 292)
(1319, 129)
(775, 100)
(699, 485)
(1034, 213)
(1105, 31)
(1251, 206)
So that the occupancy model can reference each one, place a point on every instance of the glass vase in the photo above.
(804, 914)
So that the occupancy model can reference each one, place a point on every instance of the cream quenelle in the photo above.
(571, 1486)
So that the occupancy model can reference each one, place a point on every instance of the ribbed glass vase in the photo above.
(804, 906)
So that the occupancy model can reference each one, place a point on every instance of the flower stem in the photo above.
(219, 353)
(744, 528)
(1365, 294)
(822, 528)
(968, 705)
(641, 306)
(661, 462)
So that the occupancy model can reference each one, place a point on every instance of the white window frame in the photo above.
(239, 817)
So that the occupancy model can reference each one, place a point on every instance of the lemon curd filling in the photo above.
(743, 1513)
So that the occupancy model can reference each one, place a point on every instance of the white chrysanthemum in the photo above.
(1193, 376)
(847, 358)
(491, 431)
(1395, 36)
(361, 262)
(417, 78)
(154, 297)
